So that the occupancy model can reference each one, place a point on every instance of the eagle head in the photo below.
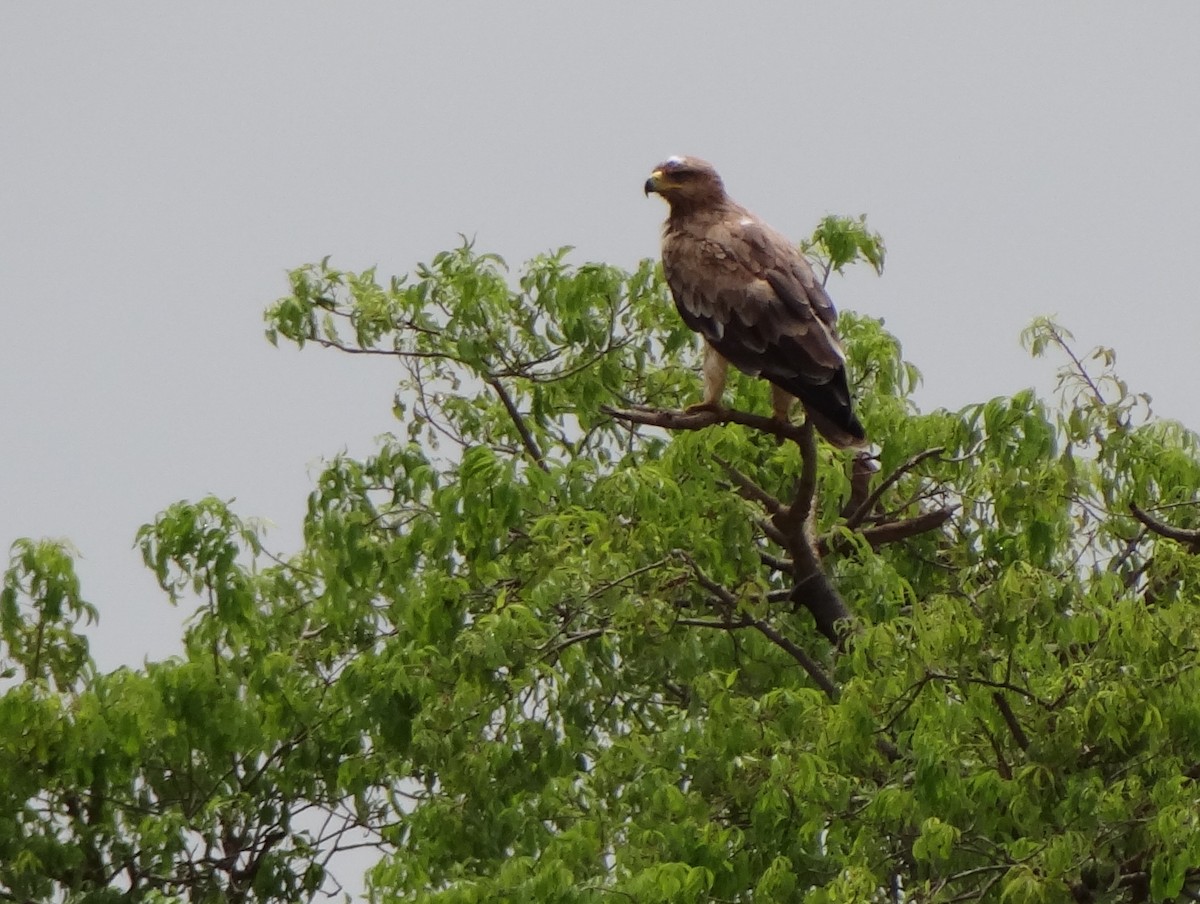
(686, 181)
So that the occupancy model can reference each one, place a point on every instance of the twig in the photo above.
(1061, 342)
(725, 624)
(571, 639)
(998, 685)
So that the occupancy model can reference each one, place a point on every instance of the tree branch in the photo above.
(775, 563)
(1189, 538)
(860, 483)
(788, 525)
(670, 419)
(883, 534)
(806, 487)
(527, 439)
(815, 672)
(729, 602)
(1010, 719)
(749, 489)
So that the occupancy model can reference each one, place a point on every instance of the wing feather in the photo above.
(751, 294)
(755, 299)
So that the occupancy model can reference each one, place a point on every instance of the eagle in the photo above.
(754, 298)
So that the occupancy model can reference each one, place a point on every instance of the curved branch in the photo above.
(1189, 538)
(793, 520)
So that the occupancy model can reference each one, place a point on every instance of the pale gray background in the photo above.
(163, 165)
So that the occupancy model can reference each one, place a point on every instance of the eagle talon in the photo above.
(704, 408)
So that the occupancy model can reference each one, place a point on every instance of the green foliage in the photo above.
(840, 241)
(493, 661)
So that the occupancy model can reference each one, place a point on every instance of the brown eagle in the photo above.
(754, 298)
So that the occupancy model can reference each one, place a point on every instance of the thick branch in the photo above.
(793, 521)
(883, 534)
(1189, 538)
(817, 594)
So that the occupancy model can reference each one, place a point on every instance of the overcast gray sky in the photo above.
(163, 165)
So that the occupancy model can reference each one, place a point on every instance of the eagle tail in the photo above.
(829, 408)
(847, 433)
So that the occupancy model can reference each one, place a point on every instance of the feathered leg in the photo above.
(716, 369)
(781, 403)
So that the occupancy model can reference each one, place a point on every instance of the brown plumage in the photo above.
(754, 298)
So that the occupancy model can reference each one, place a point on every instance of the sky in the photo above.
(162, 167)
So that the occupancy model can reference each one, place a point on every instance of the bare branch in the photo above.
(1130, 548)
(817, 594)
(860, 483)
(571, 639)
(1189, 538)
(806, 486)
(725, 624)
(671, 419)
(772, 532)
(729, 601)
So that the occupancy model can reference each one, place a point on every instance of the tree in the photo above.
(559, 641)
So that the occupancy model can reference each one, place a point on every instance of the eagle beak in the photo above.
(653, 183)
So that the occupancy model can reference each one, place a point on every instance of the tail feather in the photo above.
(830, 409)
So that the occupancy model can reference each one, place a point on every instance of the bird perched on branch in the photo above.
(754, 298)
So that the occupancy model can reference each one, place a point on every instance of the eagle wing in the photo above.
(755, 299)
